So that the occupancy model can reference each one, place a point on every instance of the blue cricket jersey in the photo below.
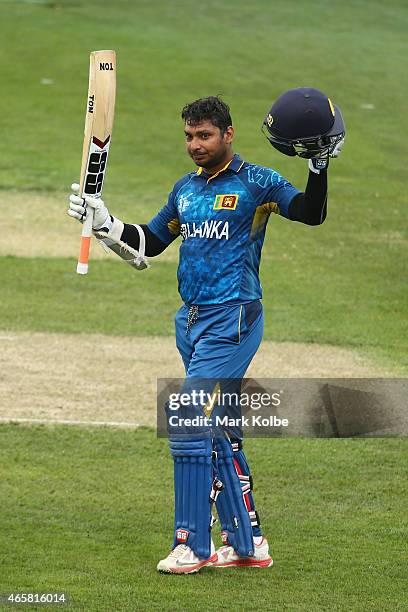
(222, 221)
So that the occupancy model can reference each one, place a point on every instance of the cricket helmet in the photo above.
(304, 122)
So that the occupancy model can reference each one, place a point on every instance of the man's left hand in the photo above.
(318, 163)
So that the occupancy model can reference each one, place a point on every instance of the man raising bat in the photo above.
(221, 211)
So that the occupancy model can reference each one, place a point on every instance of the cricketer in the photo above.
(221, 211)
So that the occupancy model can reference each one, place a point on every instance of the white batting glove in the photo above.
(107, 229)
(78, 210)
(337, 149)
(321, 162)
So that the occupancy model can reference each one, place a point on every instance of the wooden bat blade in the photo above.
(97, 138)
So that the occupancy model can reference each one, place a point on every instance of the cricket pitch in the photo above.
(43, 375)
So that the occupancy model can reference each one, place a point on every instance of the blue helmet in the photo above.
(304, 122)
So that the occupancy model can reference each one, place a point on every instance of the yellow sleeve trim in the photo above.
(174, 227)
(261, 216)
(270, 207)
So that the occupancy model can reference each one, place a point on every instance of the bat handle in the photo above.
(82, 265)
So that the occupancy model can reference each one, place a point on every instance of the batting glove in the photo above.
(316, 164)
(337, 149)
(321, 162)
(78, 209)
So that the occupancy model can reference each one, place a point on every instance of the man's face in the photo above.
(206, 145)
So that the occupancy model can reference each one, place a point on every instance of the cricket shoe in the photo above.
(183, 560)
(227, 557)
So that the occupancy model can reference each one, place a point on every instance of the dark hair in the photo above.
(208, 109)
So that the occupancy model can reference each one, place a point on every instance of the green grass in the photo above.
(334, 512)
(170, 53)
(114, 299)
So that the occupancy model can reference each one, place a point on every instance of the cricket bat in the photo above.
(97, 138)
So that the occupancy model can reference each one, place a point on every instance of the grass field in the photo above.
(334, 511)
(88, 510)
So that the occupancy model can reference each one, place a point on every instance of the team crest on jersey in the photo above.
(226, 202)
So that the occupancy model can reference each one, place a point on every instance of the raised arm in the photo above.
(131, 242)
(310, 207)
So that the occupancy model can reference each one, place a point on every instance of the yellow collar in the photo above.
(210, 178)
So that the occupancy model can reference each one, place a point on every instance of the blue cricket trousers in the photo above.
(222, 341)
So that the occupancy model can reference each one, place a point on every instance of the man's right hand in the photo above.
(78, 210)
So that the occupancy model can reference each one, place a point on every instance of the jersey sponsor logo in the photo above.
(227, 201)
(182, 535)
(219, 230)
